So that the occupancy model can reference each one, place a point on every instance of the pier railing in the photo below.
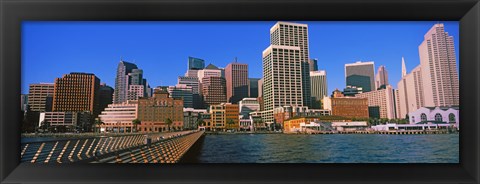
(93, 148)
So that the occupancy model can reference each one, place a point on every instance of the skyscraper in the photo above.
(410, 92)
(282, 72)
(195, 63)
(439, 68)
(360, 74)
(253, 87)
(318, 80)
(381, 79)
(209, 71)
(77, 92)
(184, 92)
(236, 76)
(106, 96)
(260, 87)
(295, 35)
(383, 100)
(195, 85)
(313, 63)
(121, 81)
(38, 95)
(214, 90)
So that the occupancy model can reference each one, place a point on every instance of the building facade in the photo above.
(195, 63)
(384, 99)
(121, 81)
(313, 63)
(318, 81)
(192, 116)
(224, 117)
(119, 117)
(348, 107)
(435, 115)
(360, 74)
(295, 35)
(77, 92)
(236, 76)
(410, 92)
(40, 97)
(106, 96)
(248, 105)
(381, 79)
(253, 87)
(154, 112)
(184, 92)
(439, 68)
(214, 91)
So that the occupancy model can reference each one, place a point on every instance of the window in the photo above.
(423, 117)
(438, 117)
(451, 118)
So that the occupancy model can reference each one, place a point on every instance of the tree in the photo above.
(135, 123)
(45, 125)
(230, 123)
(200, 122)
(96, 124)
(169, 122)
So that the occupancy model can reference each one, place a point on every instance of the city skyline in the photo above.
(48, 55)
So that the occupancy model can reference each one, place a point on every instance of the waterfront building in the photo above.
(195, 63)
(154, 111)
(360, 74)
(282, 72)
(316, 123)
(350, 107)
(236, 76)
(248, 105)
(410, 92)
(393, 127)
(119, 117)
(121, 81)
(318, 81)
(106, 96)
(69, 121)
(349, 126)
(209, 71)
(423, 115)
(214, 90)
(439, 68)
(352, 90)
(313, 63)
(381, 79)
(191, 117)
(184, 92)
(383, 100)
(224, 117)
(253, 87)
(294, 35)
(286, 112)
(77, 92)
(258, 124)
(40, 97)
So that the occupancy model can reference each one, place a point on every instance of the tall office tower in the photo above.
(410, 92)
(214, 91)
(313, 64)
(106, 96)
(260, 87)
(439, 68)
(38, 95)
(135, 77)
(318, 80)
(236, 76)
(253, 87)
(195, 85)
(195, 63)
(381, 79)
(209, 71)
(77, 92)
(295, 35)
(121, 81)
(360, 74)
(184, 92)
(283, 78)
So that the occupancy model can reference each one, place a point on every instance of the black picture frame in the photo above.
(13, 12)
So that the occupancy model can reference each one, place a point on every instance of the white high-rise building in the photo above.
(119, 117)
(318, 81)
(295, 35)
(410, 92)
(282, 79)
(439, 68)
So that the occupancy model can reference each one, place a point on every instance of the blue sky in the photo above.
(52, 49)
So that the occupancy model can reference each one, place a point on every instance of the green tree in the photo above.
(200, 122)
(45, 125)
(135, 123)
(230, 123)
(96, 124)
(169, 122)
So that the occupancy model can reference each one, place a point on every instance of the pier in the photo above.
(166, 147)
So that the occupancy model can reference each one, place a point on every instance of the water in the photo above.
(332, 148)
